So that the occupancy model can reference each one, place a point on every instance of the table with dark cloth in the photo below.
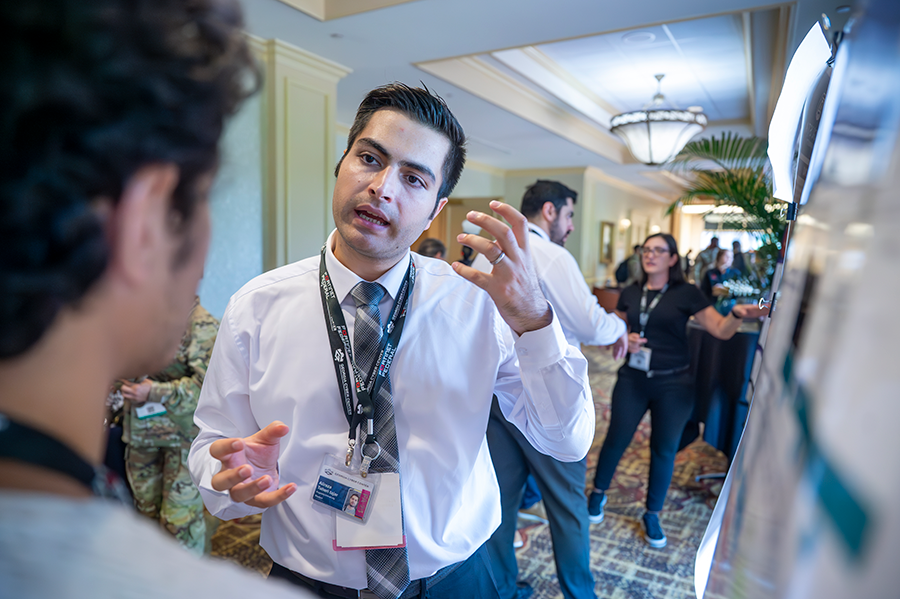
(721, 371)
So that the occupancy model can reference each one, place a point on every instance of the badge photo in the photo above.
(344, 491)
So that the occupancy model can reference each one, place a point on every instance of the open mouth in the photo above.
(369, 217)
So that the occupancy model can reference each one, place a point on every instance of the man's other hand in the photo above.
(250, 467)
(620, 347)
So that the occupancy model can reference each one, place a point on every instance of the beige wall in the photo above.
(479, 180)
(299, 134)
(688, 236)
(613, 201)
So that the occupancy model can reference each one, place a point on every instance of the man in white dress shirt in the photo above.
(272, 407)
(549, 206)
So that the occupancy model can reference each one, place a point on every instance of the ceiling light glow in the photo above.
(654, 135)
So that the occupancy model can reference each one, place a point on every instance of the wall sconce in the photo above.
(624, 224)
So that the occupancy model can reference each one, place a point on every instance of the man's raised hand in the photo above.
(250, 467)
(512, 283)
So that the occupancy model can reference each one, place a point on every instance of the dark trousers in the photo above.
(472, 579)
(562, 488)
(670, 400)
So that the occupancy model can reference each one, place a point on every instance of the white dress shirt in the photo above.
(582, 318)
(272, 361)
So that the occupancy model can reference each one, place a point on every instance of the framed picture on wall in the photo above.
(606, 242)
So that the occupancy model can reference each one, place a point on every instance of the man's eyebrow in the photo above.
(406, 163)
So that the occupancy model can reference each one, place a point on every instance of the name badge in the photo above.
(344, 492)
(641, 359)
(149, 410)
(384, 528)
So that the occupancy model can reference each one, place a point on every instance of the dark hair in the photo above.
(542, 192)
(721, 253)
(676, 273)
(91, 92)
(427, 109)
(431, 247)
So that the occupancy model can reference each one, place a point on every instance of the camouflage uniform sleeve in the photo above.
(180, 395)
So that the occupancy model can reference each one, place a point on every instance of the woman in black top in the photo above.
(655, 376)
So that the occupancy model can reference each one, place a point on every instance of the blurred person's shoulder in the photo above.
(52, 546)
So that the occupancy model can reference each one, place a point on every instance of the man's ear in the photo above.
(440, 206)
(138, 230)
(548, 211)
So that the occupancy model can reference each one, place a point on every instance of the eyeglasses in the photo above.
(654, 251)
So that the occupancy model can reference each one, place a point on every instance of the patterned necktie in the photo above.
(387, 570)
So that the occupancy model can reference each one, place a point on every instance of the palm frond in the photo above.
(733, 170)
(728, 152)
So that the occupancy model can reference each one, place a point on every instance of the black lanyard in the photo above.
(24, 444)
(342, 353)
(645, 311)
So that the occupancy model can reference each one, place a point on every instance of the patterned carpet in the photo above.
(624, 566)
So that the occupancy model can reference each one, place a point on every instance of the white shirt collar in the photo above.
(539, 231)
(343, 279)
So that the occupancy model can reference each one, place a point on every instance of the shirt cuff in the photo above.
(543, 347)
(218, 503)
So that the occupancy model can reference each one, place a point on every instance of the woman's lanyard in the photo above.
(22, 443)
(342, 354)
(645, 311)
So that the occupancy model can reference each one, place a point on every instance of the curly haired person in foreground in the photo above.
(111, 116)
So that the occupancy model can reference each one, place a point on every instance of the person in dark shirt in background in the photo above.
(738, 262)
(712, 283)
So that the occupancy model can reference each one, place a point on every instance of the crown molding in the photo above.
(598, 175)
(547, 74)
(326, 10)
(306, 62)
(492, 85)
(667, 178)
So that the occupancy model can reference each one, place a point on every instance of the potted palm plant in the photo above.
(733, 170)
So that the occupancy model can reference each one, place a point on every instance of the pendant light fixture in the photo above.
(654, 134)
